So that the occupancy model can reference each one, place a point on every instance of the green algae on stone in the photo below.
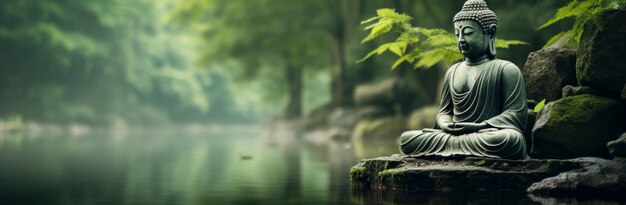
(388, 173)
(357, 172)
(577, 126)
(464, 174)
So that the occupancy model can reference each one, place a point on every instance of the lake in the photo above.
(240, 165)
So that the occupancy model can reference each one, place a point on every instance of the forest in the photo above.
(147, 62)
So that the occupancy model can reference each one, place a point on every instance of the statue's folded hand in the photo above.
(465, 127)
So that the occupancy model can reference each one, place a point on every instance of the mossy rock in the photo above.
(454, 174)
(577, 126)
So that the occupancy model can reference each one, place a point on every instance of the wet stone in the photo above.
(470, 174)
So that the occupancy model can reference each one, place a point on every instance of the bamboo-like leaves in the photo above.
(387, 18)
(439, 44)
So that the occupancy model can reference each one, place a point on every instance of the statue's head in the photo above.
(475, 27)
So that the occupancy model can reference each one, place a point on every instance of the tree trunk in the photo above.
(347, 13)
(340, 86)
(294, 83)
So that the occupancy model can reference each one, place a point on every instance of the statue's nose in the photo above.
(461, 39)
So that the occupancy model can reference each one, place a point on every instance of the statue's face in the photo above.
(472, 41)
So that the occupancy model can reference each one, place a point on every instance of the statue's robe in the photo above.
(497, 97)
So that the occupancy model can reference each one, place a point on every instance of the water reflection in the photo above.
(199, 167)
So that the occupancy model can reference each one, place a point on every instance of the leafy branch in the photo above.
(583, 11)
(418, 46)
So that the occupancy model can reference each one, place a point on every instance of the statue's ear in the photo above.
(492, 40)
(493, 28)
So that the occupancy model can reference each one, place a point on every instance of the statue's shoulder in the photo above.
(451, 69)
(507, 67)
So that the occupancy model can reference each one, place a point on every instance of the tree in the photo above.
(263, 34)
(94, 61)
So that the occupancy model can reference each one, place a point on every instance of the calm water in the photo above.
(239, 166)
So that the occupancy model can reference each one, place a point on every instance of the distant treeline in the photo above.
(96, 61)
(160, 61)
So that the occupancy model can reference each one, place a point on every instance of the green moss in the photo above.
(389, 173)
(619, 159)
(480, 162)
(357, 172)
(572, 122)
(576, 108)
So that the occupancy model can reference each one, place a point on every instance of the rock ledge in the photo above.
(481, 174)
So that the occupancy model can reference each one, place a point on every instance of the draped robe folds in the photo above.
(497, 97)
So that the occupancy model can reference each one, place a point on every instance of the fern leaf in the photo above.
(500, 43)
(398, 62)
(554, 38)
(370, 20)
(398, 48)
(385, 11)
(432, 57)
(574, 8)
(370, 54)
(429, 32)
(380, 50)
(410, 57)
(441, 40)
(408, 38)
(378, 29)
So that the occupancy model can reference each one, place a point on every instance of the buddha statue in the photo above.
(483, 99)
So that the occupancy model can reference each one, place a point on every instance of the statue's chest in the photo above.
(465, 77)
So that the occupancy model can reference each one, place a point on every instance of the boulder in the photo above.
(546, 71)
(595, 177)
(387, 127)
(481, 174)
(577, 126)
(601, 63)
(423, 117)
(617, 148)
(570, 90)
(386, 93)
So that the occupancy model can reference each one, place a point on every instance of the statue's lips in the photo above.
(463, 47)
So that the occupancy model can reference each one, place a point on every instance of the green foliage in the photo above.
(539, 106)
(583, 11)
(421, 47)
(266, 46)
(95, 61)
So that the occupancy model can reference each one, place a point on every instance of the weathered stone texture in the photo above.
(601, 63)
(542, 177)
(577, 126)
(547, 71)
